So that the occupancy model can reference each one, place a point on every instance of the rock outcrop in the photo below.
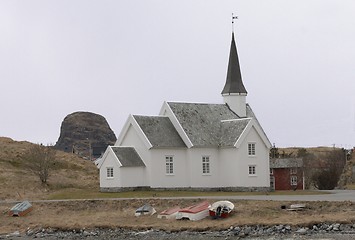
(86, 134)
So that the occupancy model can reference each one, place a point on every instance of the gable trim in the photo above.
(132, 122)
(104, 157)
(236, 119)
(260, 132)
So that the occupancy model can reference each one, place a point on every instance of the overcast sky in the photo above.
(117, 58)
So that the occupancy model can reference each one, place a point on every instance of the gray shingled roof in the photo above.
(203, 123)
(231, 131)
(160, 131)
(128, 156)
(286, 162)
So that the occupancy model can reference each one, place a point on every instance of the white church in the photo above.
(192, 145)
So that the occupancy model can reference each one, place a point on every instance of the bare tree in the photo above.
(308, 169)
(40, 160)
(333, 164)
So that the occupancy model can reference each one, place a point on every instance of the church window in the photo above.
(169, 165)
(109, 172)
(205, 164)
(252, 170)
(251, 149)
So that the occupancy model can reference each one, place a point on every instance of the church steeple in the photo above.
(234, 92)
(234, 83)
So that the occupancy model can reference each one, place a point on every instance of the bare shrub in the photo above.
(332, 165)
(40, 160)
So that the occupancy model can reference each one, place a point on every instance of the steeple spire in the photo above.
(234, 93)
(234, 83)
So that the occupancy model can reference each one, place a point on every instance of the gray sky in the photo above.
(117, 58)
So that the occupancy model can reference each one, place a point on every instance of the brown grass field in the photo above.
(120, 214)
(75, 178)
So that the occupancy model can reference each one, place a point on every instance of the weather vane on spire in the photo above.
(233, 17)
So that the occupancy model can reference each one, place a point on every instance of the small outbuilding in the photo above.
(286, 174)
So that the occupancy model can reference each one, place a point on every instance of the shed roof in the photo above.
(286, 162)
(128, 156)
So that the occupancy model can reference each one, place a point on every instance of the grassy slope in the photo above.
(17, 183)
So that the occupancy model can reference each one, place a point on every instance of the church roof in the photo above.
(128, 156)
(205, 124)
(160, 131)
(231, 130)
(234, 83)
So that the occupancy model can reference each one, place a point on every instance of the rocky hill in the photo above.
(86, 134)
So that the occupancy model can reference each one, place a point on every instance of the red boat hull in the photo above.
(223, 215)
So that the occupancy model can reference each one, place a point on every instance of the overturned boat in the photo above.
(221, 209)
(169, 213)
(146, 209)
(194, 212)
(20, 209)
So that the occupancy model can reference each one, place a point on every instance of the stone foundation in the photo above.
(220, 189)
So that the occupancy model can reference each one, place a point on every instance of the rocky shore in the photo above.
(316, 231)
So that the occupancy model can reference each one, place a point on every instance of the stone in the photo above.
(247, 230)
(302, 231)
(336, 227)
(279, 227)
(14, 234)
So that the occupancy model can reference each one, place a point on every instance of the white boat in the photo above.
(297, 207)
(146, 209)
(169, 213)
(221, 209)
(194, 212)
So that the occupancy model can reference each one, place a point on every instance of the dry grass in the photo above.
(78, 179)
(317, 151)
(18, 183)
(120, 214)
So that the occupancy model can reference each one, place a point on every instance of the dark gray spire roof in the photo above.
(234, 83)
